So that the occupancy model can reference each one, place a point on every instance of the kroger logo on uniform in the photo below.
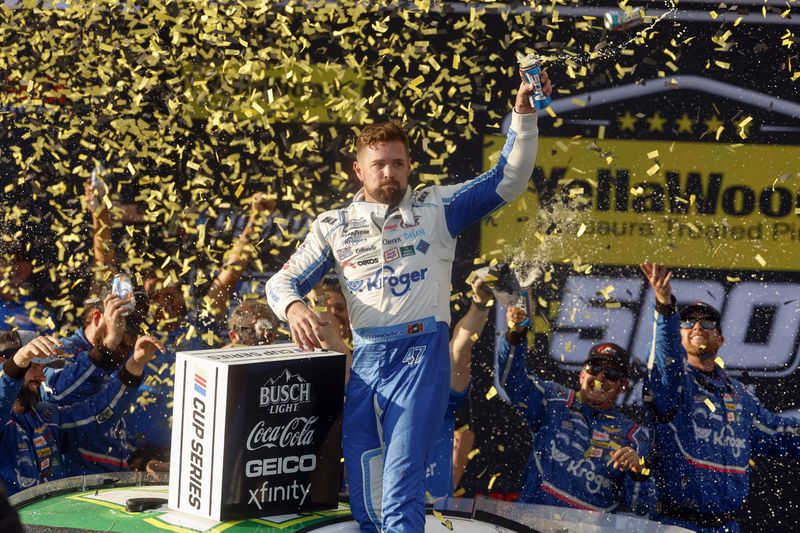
(386, 277)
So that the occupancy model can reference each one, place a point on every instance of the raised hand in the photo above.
(523, 103)
(659, 277)
(143, 352)
(40, 347)
(114, 311)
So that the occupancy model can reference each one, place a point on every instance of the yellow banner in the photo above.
(619, 202)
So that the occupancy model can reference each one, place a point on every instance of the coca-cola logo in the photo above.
(298, 432)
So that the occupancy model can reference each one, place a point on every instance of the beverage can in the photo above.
(530, 68)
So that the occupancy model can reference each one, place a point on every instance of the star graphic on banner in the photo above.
(656, 122)
(627, 121)
(685, 124)
(713, 124)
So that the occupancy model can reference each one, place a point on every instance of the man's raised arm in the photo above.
(468, 202)
(665, 362)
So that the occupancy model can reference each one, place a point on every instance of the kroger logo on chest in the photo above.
(398, 284)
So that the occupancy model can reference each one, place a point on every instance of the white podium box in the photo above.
(256, 431)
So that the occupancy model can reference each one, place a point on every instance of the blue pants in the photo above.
(396, 400)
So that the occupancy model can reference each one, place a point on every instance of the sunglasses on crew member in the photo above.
(611, 374)
(705, 323)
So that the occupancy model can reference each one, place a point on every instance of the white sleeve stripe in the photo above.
(69, 390)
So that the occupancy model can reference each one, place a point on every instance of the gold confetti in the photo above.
(491, 393)
(761, 260)
(710, 405)
(445, 522)
(473, 453)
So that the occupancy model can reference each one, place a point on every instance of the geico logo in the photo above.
(766, 350)
(281, 465)
(612, 193)
(399, 285)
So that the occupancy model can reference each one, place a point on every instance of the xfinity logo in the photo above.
(399, 285)
(285, 393)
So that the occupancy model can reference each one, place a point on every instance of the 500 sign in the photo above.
(760, 320)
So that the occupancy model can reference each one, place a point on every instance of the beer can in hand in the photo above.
(530, 68)
(619, 19)
(123, 287)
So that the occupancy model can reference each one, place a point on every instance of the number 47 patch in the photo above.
(413, 355)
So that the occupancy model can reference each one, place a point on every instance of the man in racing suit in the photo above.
(100, 348)
(706, 424)
(37, 437)
(393, 250)
(586, 454)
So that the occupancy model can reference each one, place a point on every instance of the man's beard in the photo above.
(705, 354)
(389, 195)
(28, 398)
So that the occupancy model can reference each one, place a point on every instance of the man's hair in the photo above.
(331, 284)
(244, 316)
(380, 133)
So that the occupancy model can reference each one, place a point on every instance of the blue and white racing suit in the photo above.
(37, 444)
(572, 443)
(706, 426)
(395, 276)
(439, 472)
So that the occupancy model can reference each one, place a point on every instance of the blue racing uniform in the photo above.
(705, 427)
(79, 378)
(572, 443)
(439, 472)
(37, 444)
(394, 265)
(83, 376)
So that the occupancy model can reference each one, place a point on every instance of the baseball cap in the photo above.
(11, 341)
(612, 354)
(700, 309)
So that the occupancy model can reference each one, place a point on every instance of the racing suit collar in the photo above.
(716, 380)
(367, 208)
